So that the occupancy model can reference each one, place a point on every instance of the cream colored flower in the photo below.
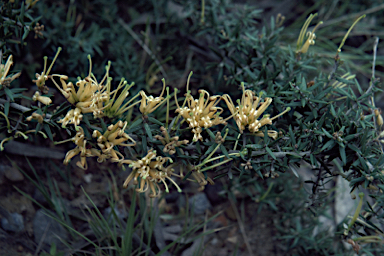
(148, 172)
(43, 77)
(170, 144)
(113, 136)
(149, 103)
(115, 106)
(43, 99)
(87, 98)
(248, 112)
(303, 47)
(4, 70)
(35, 116)
(81, 148)
(201, 112)
(73, 116)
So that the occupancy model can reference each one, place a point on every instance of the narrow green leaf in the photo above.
(136, 123)
(48, 131)
(224, 150)
(270, 152)
(21, 16)
(343, 155)
(26, 32)
(6, 108)
(254, 146)
(327, 133)
(148, 131)
(144, 141)
(9, 93)
(328, 145)
(213, 137)
(155, 121)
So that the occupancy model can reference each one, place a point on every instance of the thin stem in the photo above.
(349, 31)
(202, 11)
(54, 59)
(215, 165)
(357, 212)
(7, 120)
(374, 57)
(218, 157)
(210, 155)
(167, 116)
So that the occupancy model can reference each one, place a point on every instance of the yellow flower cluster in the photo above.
(249, 110)
(200, 112)
(150, 103)
(86, 99)
(302, 47)
(113, 136)
(90, 96)
(170, 144)
(148, 172)
(81, 148)
(5, 80)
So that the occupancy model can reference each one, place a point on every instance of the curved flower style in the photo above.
(170, 144)
(201, 179)
(73, 116)
(151, 171)
(150, 103)
(88, 98)
(249, 110)
(113, 136)
(4, 69)
(200, 112)
(114, 107)
(41, 78)
(303, 47)
(81, 149)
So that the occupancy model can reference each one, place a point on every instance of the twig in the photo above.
(144, 46)
(187, 69)
(24, 149)
(241, 225)
(372, 80)
(22, 108)
(331, 9)
(334, 69)
(17, 23)
(353, 15)
(374, 56)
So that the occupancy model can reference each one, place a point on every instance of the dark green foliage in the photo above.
(331, 126)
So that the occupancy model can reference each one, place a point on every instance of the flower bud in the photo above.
(43, 99)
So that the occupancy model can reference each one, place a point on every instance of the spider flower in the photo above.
(200, 112)
(41, 78)
(149, 103)
(113, 136)
(73, 116)
(170, 144)
(248, 112)
(148, 172)
(4, 70)
(303, 47)
(115, 106)
(87, 98)
(81, 148)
